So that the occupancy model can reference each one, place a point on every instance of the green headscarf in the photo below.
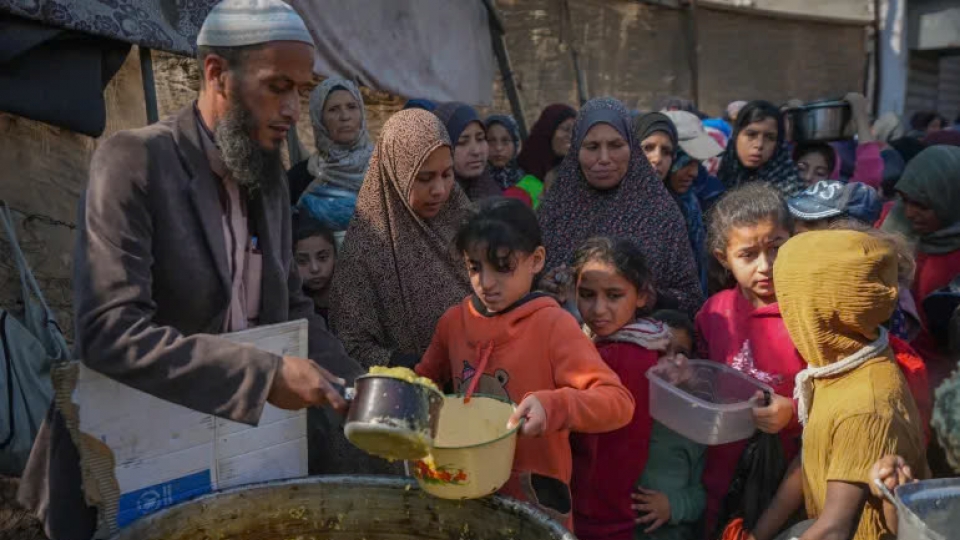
(933, 180)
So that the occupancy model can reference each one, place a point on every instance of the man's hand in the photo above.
(774, 417)
(300, 383)
(534, 417)
(652, 507)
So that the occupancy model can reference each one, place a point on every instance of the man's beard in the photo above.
(248, 163)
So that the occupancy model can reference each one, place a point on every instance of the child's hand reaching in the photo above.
(652, 507)
(534, 417)
(558, 283)
(675, 369)
(775, 416)
(893, 471)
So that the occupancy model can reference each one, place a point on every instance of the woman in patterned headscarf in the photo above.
(397, 274)
(503, 137)
(757, 151)
(326, 185)
(606, 187)
(545, 148)
(470, 149)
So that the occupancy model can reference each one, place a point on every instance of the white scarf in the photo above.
(647, 333)
(803, 391)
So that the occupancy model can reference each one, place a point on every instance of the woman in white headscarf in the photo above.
(327, 183)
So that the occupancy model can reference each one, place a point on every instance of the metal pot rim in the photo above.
(821, 104)
(434, 391)
(498, 502)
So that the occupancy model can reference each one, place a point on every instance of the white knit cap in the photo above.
(235, 23)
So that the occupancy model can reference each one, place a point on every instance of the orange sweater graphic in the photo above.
(537, 348)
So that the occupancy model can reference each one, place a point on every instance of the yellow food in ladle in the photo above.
(404, 374)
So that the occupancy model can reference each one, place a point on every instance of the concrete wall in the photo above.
(934, 24)
(639, 54)
(853, 10)
(631, 50)
(43, 170)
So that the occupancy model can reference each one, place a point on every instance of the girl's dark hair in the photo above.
(758, 111)
(921, 119)
(676, 319)
(745, 206)
(500, 222)
(305, 226)
(824, 149)
(624, 255)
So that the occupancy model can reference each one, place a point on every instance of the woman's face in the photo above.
(315, 258)
(813, 167)
(604, 157)
(502, 147)
(659, 151)
(470, 154)
(432, 185)
(562, 137)
(757, 142)
(934, 125)
(923, 219)
(682, 180)
(342, 117)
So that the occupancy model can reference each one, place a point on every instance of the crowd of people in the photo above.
(555, 272)
(608, 243)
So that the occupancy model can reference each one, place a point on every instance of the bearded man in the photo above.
(184, 233)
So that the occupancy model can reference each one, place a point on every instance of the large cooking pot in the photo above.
(343, 508)
(821, 121)
(926, 510)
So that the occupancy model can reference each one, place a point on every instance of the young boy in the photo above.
(670, 497)
(853, 400)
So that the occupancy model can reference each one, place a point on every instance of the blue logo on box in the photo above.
(148, 500)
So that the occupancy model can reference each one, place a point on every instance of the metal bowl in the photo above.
(344, 508)
(821, 121)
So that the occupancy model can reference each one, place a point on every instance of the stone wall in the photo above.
(634, 51)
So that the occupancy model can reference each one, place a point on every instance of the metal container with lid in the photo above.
(344, 508)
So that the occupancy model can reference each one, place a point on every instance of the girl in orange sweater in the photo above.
(528, 349)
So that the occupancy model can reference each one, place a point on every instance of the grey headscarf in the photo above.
(334, 164)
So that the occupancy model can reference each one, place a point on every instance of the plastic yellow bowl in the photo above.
(473, 450)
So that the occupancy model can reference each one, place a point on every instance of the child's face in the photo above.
(751, 252)
(607, 301)
(813, 168)
(499, 289)
(681, 342)
(315, 258)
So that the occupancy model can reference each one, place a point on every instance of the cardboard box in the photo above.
(140, 453)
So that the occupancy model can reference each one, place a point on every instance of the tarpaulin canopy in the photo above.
(434, 49)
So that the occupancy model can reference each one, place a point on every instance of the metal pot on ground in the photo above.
(344, 508)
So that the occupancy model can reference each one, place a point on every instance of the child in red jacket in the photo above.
(614, 286)
(741, 326)
(527, 349)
